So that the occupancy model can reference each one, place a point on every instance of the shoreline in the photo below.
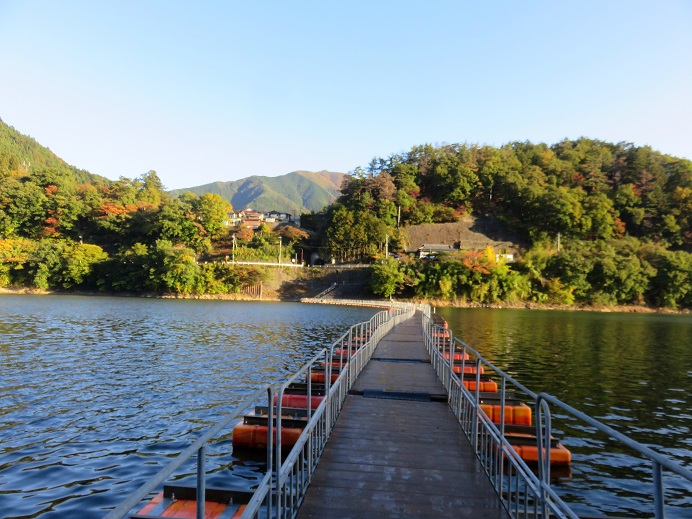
(435, 303)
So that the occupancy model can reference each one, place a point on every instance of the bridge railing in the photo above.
(283, 487)
(287, 484)
(197, 448)
(523, 492)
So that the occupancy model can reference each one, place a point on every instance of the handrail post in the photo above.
(451, 361)
(201, 482)
(463, 368)
(543, 445)
(476, 405)
(503, 392)
(327, 389)
(279, 492)
(659, 510)
(309, 406)
(270, 446)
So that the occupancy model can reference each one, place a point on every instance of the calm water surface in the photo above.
(632, 372)
(97, 394)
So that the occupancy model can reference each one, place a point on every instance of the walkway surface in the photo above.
(399, 458)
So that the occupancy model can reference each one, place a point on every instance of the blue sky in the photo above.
(220, 90)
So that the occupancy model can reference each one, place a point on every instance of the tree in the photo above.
(23, 204)
(627, 202)
(245, 234)
(175, 269)
(671, 286)
(128, 270)
(292, 234)
(386, 277)
(46, 263)
(150, 189)
(14, 256)
(598, 208)
(79, 264)
(212, 212)
(179, 225)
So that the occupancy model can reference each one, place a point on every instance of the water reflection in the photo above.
(98, 393)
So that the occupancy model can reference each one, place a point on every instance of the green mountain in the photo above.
(20, 153)
(297, 192)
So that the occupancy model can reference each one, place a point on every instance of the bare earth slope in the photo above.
(472, 232)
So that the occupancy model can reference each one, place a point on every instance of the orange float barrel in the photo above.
(337, 363)
(320, 376)
(468, 369)
(457, 356)
(523, 441)
(180, 501)
(299, 401)
(254, 436)
(559, 455)
(439, 320)
(487, 384)
(515, 414)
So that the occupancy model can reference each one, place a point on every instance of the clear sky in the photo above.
(219, 90)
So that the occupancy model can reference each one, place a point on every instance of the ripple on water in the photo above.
(99, 394)
(604, 368)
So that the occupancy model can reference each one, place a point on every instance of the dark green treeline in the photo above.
(623, 214)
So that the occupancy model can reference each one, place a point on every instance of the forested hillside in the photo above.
(62, 228)
(297, 192)
(20, 153)
(623, 214)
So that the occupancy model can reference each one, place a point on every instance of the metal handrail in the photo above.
(326, 291)
(197, 447)
(273, 492)
(290, 479)
(480, 429)
(658, 460)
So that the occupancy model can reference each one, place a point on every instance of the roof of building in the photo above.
(436, 247)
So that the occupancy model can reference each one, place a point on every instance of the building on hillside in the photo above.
(433, 249)
(253, 219)
(278, 216)
(251, 223)
(251, 214)
(234, 218)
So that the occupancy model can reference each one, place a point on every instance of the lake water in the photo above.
(97, 394)
(632, 372)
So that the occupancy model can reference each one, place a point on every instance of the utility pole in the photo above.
(233, 249)
(558, 242)
(279, 250)
(386, 245)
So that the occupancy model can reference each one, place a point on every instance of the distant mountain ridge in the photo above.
(296, 192)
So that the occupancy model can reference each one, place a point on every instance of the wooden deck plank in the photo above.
(383, 477)
(328, 502)
(399, 458)
(398, 376)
